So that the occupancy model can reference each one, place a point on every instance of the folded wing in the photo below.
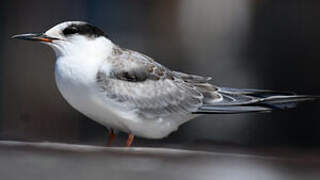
(138, 83)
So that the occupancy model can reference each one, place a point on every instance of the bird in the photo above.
(128, 91)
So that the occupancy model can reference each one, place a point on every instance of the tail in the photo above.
(234, 101)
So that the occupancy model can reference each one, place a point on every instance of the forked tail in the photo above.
(235, 101)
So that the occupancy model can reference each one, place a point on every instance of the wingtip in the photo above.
(209, 78)
(14, 36)
(315, 98)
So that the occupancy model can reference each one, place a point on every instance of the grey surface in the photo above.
(48, 161)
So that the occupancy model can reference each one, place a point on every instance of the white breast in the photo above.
(77, 84)
(75, 72)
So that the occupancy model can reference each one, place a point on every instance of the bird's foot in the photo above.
(129, 140)
(111, 137)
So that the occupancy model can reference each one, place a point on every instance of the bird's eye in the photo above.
(70, 30)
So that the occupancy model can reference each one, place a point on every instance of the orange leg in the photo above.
(129, 140)
(111, 137)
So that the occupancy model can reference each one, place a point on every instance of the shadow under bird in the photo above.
(128, 91)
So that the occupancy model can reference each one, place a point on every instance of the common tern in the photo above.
(128, 91)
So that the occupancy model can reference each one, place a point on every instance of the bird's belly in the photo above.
(84, 96)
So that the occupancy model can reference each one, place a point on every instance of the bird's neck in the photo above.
(83, 62)
(82, 47)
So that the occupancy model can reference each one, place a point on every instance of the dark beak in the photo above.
(35, 37)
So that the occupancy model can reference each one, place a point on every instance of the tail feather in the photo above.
(235, 101)
(254, 92)
(231, 109)
(286, 102)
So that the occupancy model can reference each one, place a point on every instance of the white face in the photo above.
(72, 37)
(75, 37)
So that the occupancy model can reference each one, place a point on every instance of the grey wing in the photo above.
(149, 89)
(191, 78)
(153, 99)
(152, 91)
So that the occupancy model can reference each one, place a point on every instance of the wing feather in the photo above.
(139, 84)
(153, 99)
(152, 91)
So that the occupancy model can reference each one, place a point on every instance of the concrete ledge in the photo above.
(52, 161)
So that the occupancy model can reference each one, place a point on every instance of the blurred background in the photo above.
(268, 44)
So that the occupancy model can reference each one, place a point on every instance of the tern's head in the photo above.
(70, 37)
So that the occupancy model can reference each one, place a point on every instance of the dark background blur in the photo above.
(268, 44)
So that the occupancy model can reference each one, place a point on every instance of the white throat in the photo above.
(78, 62)
(82, 46)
